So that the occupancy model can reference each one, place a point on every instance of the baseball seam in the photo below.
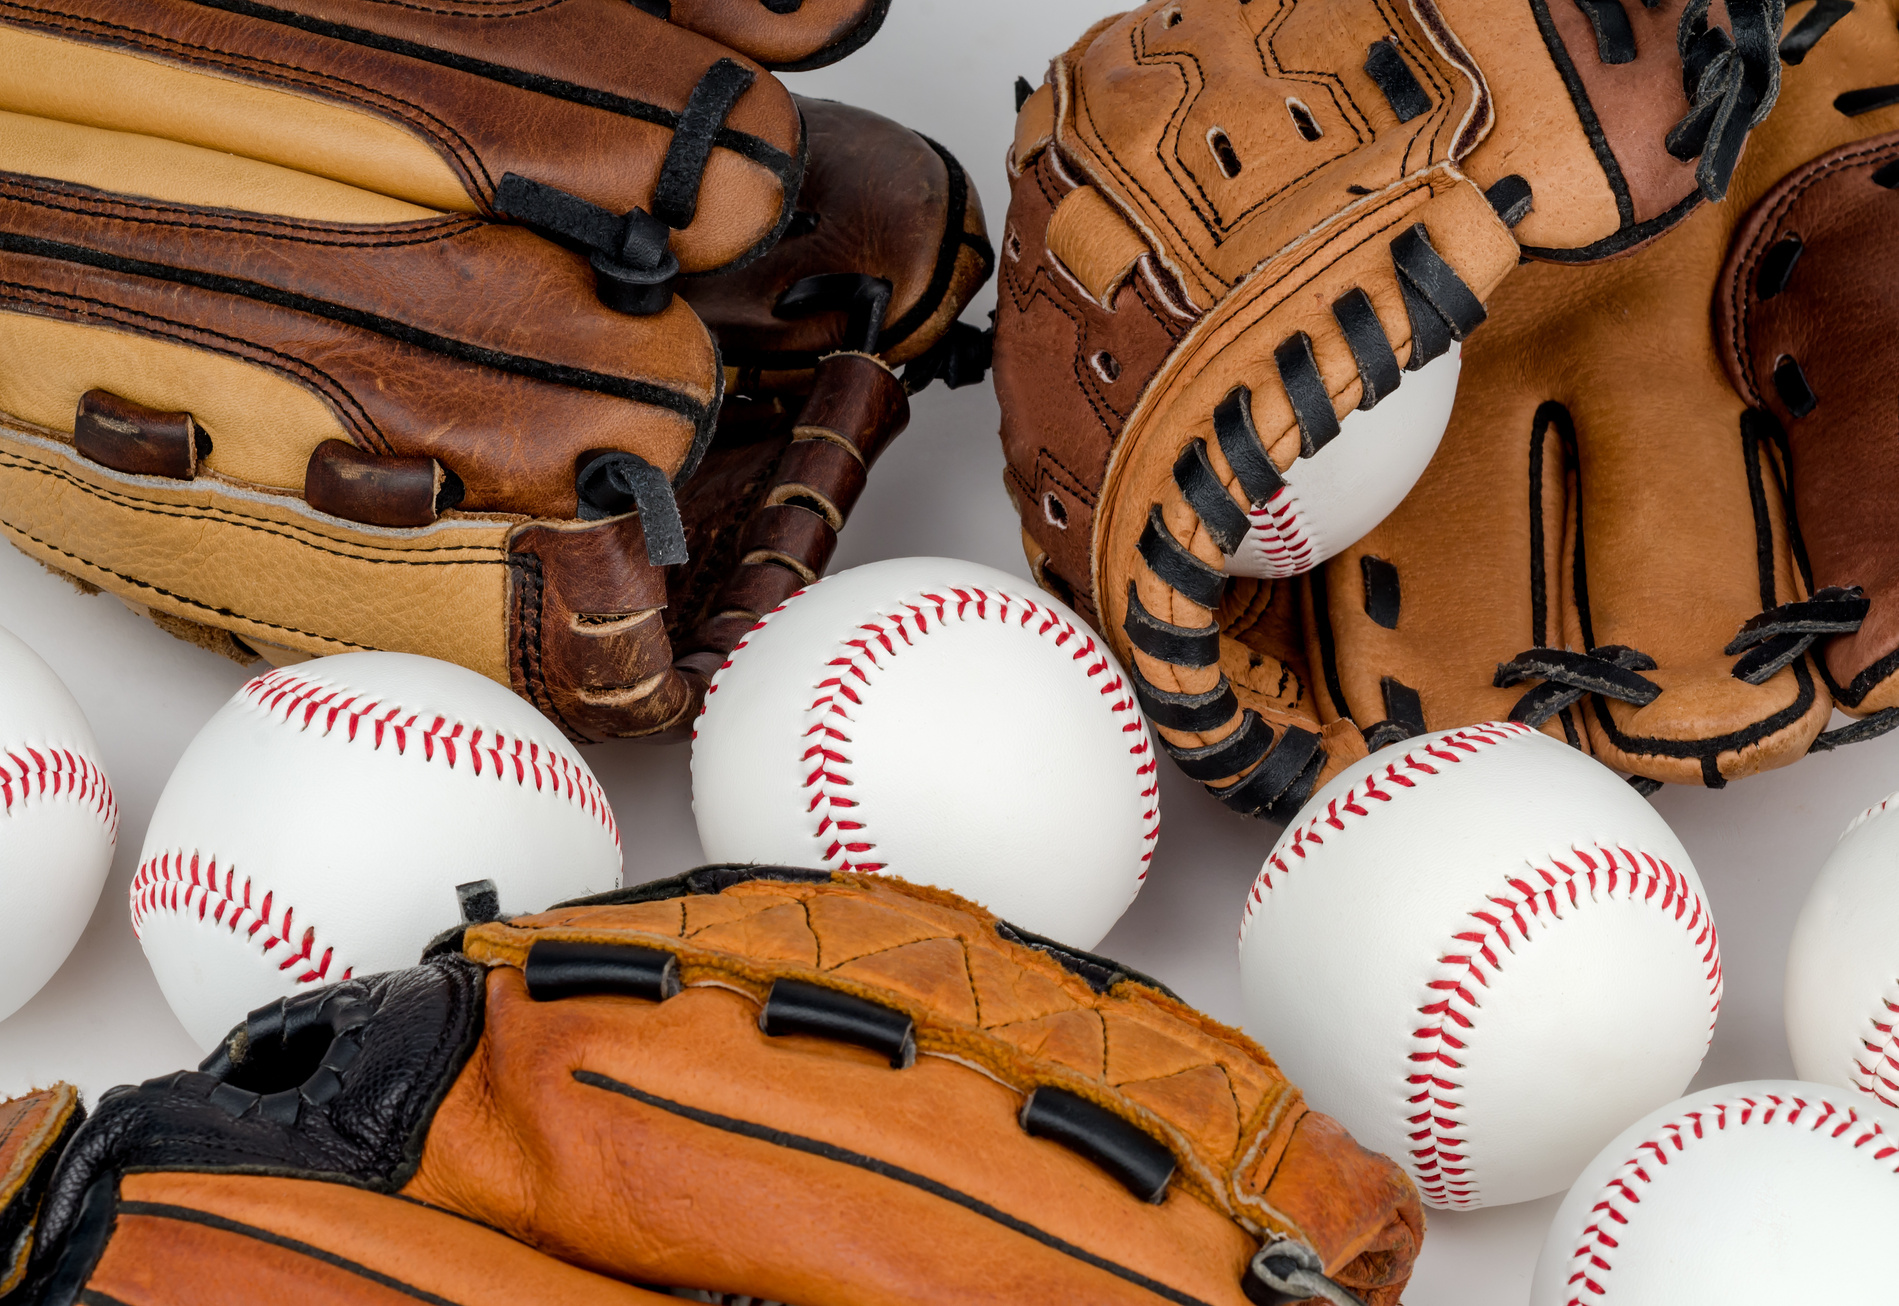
(1280, 539)
(181, 883)
(839, 827)
(1474, 956)
(283, 695)
(1471, 963)
(1875, 1067)
(1622, 1193)
(43, 772)
(1425, 760)
(184, 884)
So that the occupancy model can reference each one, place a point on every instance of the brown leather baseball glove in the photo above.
(335, 324)
(739, 1085)
(1235, 226)
(1661, 523)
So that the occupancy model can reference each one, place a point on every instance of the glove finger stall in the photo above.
(436, 106)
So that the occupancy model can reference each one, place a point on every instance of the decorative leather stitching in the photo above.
(881, 639)
(1472, 962)
(184, 884)
(1622, 1193)
(1474, 956)
(1281, 537)
(35, 773)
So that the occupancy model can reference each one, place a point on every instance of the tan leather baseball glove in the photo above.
(1661, 523)
(336, 324)
(1238, 229)
(739, 1085)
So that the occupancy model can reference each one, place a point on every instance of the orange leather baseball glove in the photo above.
(1660, 525)
(738, 1085)
(1243, 245)
(337, 324)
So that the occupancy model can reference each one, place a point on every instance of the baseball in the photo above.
(60, 825)
(1484, 954)
(1842, 993)
(942, 722)
(320, 825)
(1749, 1194)
(1333, 498)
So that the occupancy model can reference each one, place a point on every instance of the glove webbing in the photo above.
(1442, 308)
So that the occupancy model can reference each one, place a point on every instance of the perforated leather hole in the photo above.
(1171, 18)
(1106, 366)
(1223, 153)
(1302, 119)
(1055, 511)
(1014, 244)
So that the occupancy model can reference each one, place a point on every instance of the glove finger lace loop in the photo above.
(612, 482)
(1568, 677)
(1859, 732)
(1732, 79)
(1284, 1271)
(1777, 637)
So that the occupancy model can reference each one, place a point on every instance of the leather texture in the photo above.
(34, 1131)
(583, 95)
(790, 37)
(318, 329)
(471, 1120)
(1717, 393)
(874, 193)
(1232, 226)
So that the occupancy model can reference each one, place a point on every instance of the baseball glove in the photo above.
(1668, 477)
(1233, 226)
(741, 1084)
(340, 325)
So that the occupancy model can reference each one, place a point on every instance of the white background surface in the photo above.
(945, 67)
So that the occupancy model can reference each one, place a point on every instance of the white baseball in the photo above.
(1842, 993)
(1754, 1194)
(59, 826)
(1332, 499)
(320, 823)
(939, 721)
(1484, 954)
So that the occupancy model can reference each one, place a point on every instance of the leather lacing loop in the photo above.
(1285, 1271)
(1731, 80)
(1777, 637)
(1441, 308)
(1569, 677)
(1766, 645)
(634, 266)
(612, 482)
(864, 298)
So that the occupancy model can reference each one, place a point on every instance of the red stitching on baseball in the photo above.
(1472, 961)
(1590, 1263)
(1401, 774)
(1280, 534)
(184, 884)
(41, 772)
(284, 695)
(1876, 1070)
(1468, 964)
(885, 637)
